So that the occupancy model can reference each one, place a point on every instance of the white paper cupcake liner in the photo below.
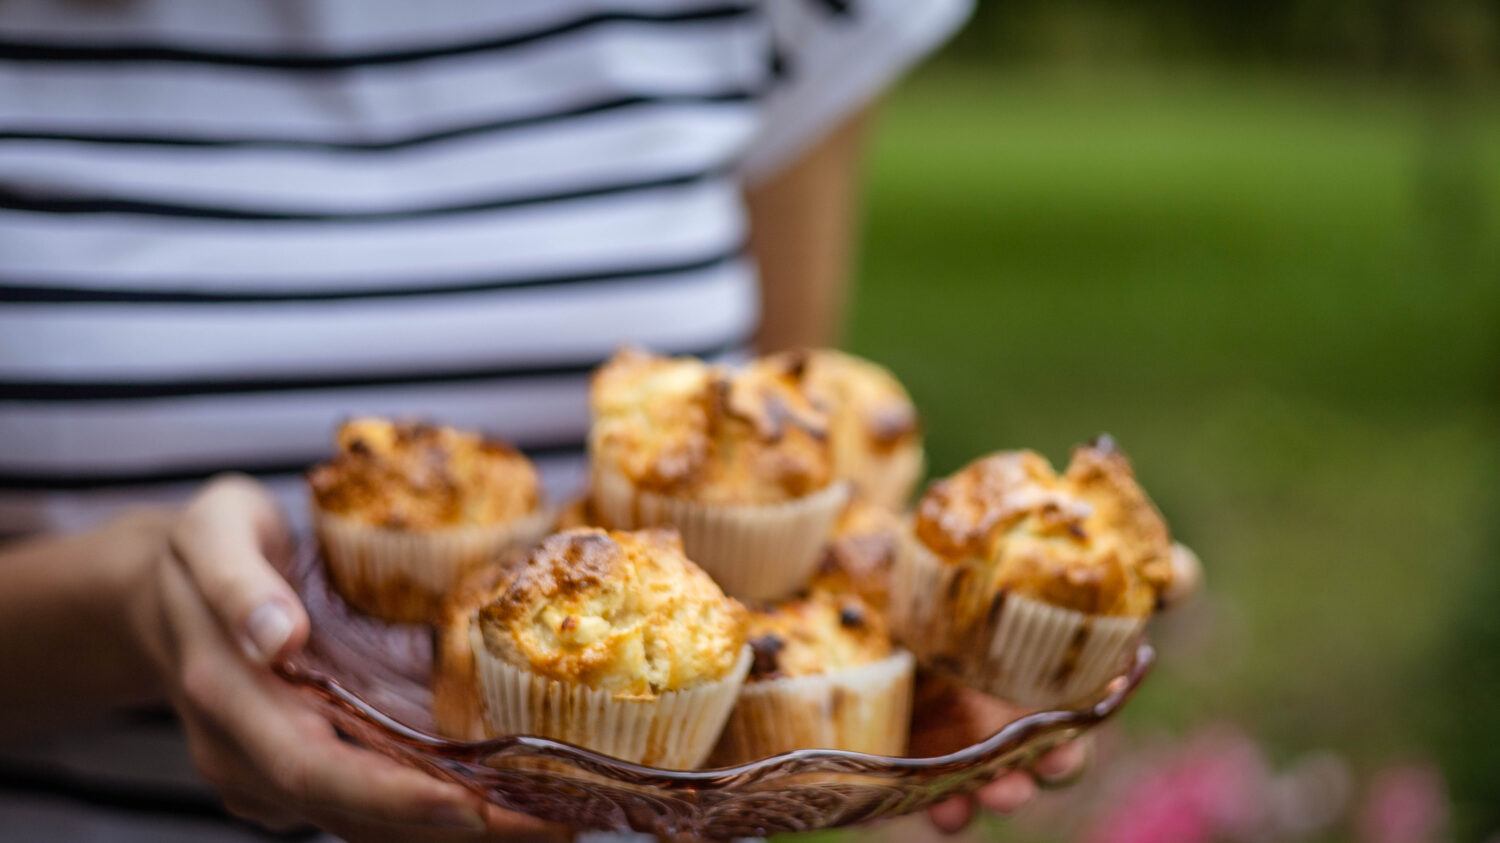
(675, 731)
(889, 481)
(403, 576)
(754, 552)
(1024, 650)
(860, 709)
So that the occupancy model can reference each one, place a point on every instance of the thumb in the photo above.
(225, 540)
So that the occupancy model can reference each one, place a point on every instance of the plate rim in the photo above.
(1016, 733)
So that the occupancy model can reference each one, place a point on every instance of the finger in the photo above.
(358, 830)
(1065, 763)
(1187, 576)
(512, 826)
(1007, 794)
(224, 539)
(953, 716)
(515, 829)
(342, 779)
(262, 812)
(294, 753)
(952, 815)
(262, 792)
(302, 758)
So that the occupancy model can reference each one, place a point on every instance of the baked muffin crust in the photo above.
(623, 612)
(815, 634)
(871, 411)
(1089, 540)
(683, 428)
(861, 553)
(414, 476)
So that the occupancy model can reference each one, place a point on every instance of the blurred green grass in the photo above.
(1279, 295)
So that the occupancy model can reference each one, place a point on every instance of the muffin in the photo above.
(737, 460)
(576, 513)
(874, 430)
(613, 641)
(456, 708)
(860, 556)
(825, 676)
(405, 509)
(1029, 585)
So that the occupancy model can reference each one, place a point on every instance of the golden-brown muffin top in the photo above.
(814, 634)
(410, 475)
(872, 413)
(680, 427)
(861, 553)
(1088, 540)
(624, 612)
(480, 586)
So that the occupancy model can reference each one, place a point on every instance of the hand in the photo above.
(952, 717)
(213, 616)
(955, 716)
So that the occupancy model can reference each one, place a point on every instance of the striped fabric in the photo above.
(224, 226)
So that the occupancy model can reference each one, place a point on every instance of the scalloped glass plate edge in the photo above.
(802, 790)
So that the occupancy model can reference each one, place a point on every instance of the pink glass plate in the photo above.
(371, 680)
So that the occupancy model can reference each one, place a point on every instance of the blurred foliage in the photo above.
(1279, 292)
(1447, 37)
(1465, 677)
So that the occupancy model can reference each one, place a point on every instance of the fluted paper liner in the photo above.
(1018, 648)
(403, 575)
(676, 730)
(859, 709)
(754, 552)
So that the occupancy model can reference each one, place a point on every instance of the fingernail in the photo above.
(269, 627)
(458, 816)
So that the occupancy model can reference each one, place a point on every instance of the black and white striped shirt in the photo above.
(224, 226)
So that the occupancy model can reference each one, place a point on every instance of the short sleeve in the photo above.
(833, 56)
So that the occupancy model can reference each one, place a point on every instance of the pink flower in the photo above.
(1227, 777)
(1219, 786)
(1160, 820)
(1406, 804)
(1213, 788)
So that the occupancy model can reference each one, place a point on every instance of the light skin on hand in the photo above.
(185, 606)
(224, 615)
(951, 717)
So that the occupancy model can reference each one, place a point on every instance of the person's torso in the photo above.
(224, 227)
